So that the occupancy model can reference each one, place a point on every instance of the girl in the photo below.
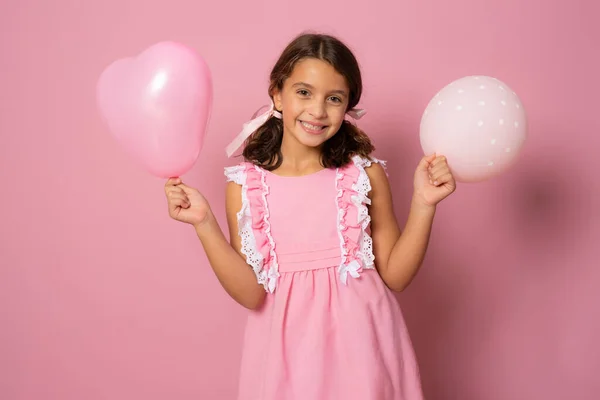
(311, 221)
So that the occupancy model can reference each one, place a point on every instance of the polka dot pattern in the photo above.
(478, 123)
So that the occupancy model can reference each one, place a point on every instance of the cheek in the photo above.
(292, 110)
(289, 118)
(337, 118)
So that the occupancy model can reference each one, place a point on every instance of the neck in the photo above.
(299, 157)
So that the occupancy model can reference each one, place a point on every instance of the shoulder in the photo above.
(236, 177)
(374, 171)
(244, 182)
(244, 173)
(236, 174)
(369, 163)
(381, 207)
(377, 172)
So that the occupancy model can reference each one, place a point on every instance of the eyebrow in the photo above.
(308, 85)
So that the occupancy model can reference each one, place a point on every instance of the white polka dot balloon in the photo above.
(478, 123)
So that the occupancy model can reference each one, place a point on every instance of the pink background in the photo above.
(102, 296)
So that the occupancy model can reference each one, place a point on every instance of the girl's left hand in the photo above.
(433, 180)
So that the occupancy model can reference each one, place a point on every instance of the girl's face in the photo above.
(313, 102)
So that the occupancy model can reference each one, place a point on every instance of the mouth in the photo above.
(313, 128)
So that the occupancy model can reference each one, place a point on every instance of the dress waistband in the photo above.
(309, 260)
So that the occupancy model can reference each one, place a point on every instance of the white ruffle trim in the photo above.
(273, 272)
(361, 200)
(254, 258)
(249, 248)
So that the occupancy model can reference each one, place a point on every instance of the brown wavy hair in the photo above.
(263, 148)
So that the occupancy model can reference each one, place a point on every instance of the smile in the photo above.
(312, 128)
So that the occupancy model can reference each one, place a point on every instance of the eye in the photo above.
(303, 92)
(335, 99)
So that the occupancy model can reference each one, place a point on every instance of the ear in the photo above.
(277, 100)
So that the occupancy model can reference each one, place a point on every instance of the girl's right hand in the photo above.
(186, 204)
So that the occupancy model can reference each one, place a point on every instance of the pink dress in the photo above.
(329, 328)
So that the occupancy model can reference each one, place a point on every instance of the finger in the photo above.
(442, 179)
(439, 169)
(172, 190)
(439, 160)
(179, 201)
(177, 196)
(426, 161)
(187, 189)
(439, 173)
(173, 181)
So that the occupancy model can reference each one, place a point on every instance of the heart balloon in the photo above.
(478, 123)
(158, 105)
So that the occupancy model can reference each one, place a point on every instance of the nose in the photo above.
(318, 110)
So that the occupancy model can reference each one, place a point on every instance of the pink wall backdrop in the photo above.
(102, 296)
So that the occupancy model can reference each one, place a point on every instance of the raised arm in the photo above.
(186, 204)
(399, 254)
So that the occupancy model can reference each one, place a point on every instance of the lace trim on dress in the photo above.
(254, 228)
(353, 187)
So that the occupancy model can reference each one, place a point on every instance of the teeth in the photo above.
(312, 127)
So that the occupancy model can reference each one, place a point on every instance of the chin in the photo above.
(310, 140)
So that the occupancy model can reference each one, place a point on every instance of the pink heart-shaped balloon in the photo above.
(158, 105)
